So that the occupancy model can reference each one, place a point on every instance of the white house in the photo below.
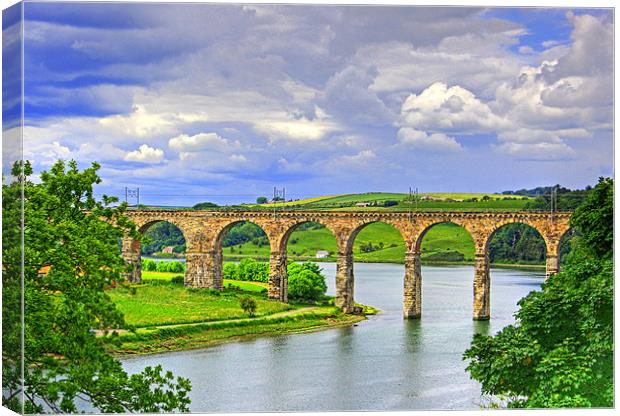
(321, 254)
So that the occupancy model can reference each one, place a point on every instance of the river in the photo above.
(384, 363)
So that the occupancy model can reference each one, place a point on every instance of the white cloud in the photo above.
(201, 141)
(139, 123)
(537, 151)
(417, 139)
(145, 154)
(46, 153)
(455, 109)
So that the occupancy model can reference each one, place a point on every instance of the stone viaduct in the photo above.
(205, 230)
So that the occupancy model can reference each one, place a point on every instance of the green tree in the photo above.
(205, 205)
(64, 361)
(261, 200)
(305, 281)
(248, 304)
(560, 351)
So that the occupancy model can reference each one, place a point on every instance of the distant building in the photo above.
(167, 249)
(321, 254)
(362, 204)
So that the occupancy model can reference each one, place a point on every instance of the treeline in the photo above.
(567, 199)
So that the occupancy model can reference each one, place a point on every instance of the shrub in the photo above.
(390, 203)
(170, 266)
(230, 271)
(177, 280)
(248, 304)
(149, 265)
(305, 281)
(251, 270)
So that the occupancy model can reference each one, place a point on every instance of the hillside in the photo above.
(400, 202)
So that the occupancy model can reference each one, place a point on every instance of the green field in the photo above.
(429, 201)
(168, 316)
(303, 245)
(165, 304)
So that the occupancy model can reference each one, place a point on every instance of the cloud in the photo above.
(454, 109)
(201, 141)
(417, 139)
(541, 151)
(46, 154)
(145, 154)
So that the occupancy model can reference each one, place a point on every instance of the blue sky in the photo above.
(196, 102)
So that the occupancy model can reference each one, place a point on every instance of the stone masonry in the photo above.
(205, 230)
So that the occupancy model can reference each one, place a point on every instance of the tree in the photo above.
(305, 281)
(560, 351)
(261, 200)
(77, 238)
(205, 205)
(248, 304)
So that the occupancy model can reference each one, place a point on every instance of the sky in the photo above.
(207, 102)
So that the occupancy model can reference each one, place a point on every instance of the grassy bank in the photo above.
(165, 316)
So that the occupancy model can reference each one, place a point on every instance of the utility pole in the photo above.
(277, 195)
(132, 193)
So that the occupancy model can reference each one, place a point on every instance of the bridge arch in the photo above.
(345, 281)
(292, 227)
(132, 248)
(396, 225)
(413, 261)
(216, 259)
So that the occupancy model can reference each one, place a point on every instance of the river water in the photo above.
(384, 363)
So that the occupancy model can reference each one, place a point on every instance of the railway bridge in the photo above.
(204, 232)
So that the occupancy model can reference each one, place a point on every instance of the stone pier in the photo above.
(278, 277)
(413, 286)
(131, 252)
(344, 282)
(553, 264)
(482, 287)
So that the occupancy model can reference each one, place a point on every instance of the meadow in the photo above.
(163, 315)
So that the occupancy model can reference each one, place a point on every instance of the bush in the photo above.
(251, 270)
(177, 280)
(230, 271)
(170, 266)
(248, 304)
(390, 203)
(305, 281)
(149, 265)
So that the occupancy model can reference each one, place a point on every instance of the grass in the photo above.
(206, 335)
(167, 316)
(167, 304)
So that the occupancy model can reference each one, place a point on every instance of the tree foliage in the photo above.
(306, 281)
(560, 351)
(205, 205)
(248, 304)
(160, 235)
(77, 238)
(517, 243)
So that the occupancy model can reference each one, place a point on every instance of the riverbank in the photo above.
(532, 266)
(162, 315)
